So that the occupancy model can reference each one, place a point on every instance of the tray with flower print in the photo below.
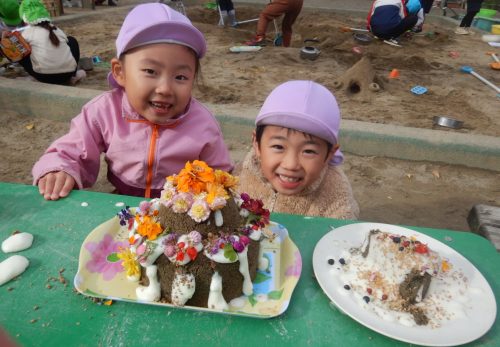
(101, 274)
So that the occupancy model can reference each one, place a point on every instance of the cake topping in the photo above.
(391, 275)
(200, 232)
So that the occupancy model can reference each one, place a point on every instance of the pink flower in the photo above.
(170, 250)
(195, 236)
(181, 203)
(218, 203)
(144, 207)
(104, 258)
(199, 211)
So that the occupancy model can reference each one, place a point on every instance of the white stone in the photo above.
(17, 242)
(12, 267)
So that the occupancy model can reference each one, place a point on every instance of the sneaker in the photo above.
(462, 31)
(392, 42)
(258, 40)
(80, 74)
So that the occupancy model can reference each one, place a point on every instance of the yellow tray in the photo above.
(101, 275)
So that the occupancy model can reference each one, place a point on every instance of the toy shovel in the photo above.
(469, 70)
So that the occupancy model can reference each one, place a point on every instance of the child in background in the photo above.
(227, 11)
(149, 125)
(473, 7)
(9, 15)
(294, 164)
(290, 8)
(54, 56)
(389, 19)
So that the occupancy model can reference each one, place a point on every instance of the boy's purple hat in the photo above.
(157, 23)
(304, 106)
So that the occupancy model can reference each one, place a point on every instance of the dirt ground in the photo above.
(388, 190)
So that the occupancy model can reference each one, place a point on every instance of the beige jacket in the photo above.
(331, 196)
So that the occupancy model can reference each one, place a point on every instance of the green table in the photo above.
(38, 310)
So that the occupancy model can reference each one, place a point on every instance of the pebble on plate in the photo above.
(12, 267)
(17, 242)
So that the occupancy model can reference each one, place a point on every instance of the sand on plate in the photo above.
(388, 190)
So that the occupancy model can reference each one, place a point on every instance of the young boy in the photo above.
(293, 165)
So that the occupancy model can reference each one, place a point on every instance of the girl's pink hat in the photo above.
(304, 106)
(157, 23)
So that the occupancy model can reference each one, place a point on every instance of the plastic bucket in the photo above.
(487, 13)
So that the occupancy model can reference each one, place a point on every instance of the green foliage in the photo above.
(229, 252)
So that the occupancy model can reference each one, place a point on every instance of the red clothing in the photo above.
(291, 9)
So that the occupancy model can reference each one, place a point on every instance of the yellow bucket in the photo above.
(495, 29)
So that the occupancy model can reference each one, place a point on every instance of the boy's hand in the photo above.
(55, 185)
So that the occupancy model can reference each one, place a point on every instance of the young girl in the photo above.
(54, 56)
(293, 166)
(149, 125)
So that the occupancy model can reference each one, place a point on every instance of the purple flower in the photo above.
(124, 216)
(104, 257)
(171, 238)
(238, 246)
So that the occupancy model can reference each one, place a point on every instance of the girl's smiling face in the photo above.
(291, 160)
(158, 79)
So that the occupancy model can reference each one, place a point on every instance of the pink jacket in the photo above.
(139, 154)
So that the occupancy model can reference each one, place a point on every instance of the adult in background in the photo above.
(54, 56)
(290, 8)
(473, 7)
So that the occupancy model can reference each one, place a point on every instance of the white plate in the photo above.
(480, 314)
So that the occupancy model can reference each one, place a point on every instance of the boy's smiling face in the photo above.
(291, 160)
(158, 79)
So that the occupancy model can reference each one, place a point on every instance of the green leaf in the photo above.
(275, 294)
(260, 278)
(252, 300)
(229, 252)
(112, 258)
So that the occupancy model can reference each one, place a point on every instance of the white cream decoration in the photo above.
(17, 242)
(247, 281)
(183, 288)
(215, 298)
(152, 292)
(219, 221)
(188, 242)
(12, 267)
(157, 251)
(255, 234)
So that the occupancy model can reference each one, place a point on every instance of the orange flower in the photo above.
(194, 177)
(148, 227)
(225, 179)
(214, 191)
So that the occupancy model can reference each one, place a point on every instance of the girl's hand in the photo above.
(55, 185)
